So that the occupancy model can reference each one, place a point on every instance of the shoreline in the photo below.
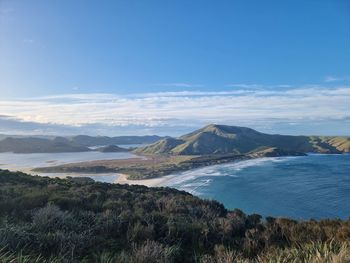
(121, 178)
(152, 182)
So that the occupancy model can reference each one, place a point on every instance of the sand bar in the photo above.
(160, 181)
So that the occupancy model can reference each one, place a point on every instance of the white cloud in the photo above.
(184, 108)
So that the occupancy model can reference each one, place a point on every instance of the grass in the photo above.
(330, 252)
(313, 253)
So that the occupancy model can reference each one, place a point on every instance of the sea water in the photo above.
(27, 162)
(314, 186)
(34, 160)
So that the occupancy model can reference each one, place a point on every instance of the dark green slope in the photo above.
(223, 139)
(67, 220)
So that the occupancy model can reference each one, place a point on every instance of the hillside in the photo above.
(111, 148)
(222, 139)
(39, 145)
(65, 220)
(81, 143)
(86, 140)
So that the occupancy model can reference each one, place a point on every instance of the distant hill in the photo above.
(4, 136)
(81, 143)
(223, 139)
(111, 148)
(39, 145)
(86, 140)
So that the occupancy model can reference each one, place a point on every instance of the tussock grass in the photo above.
(331, 252)
(153, 252)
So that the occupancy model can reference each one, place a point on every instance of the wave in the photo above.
(238, 166)
(192, 188)
(180, 180)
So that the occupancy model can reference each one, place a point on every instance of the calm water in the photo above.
(314, 186)
(50, 159)
(25, 162)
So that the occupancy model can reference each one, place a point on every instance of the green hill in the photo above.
(223, 139)
(162, 146)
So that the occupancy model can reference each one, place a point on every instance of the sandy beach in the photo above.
(122, 179)
(13, 168)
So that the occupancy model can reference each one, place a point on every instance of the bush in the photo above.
(71, 221)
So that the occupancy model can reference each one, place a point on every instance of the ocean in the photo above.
(314, 186)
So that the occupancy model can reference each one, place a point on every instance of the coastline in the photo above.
(153, 182)
(13, 168)
(121, 178)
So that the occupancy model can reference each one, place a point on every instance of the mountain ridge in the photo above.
(223, 139)
(79, 143)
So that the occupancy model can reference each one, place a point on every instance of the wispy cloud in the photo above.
(180, 85)
(257, 86)
(244, 85)
(332, 79)
(28, 41)
(185, 108)
(6, 10)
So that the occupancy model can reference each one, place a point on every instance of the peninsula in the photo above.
(213, 144)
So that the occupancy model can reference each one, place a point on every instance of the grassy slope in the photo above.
(68, 221)
(221, 139)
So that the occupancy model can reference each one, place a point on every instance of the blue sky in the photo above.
(156, 66)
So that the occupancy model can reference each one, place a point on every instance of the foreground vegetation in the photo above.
(57, 220)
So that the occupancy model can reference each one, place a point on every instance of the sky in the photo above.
(167, 67)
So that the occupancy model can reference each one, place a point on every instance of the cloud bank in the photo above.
(287, 110)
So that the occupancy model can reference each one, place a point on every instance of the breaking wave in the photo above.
(191, 181)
